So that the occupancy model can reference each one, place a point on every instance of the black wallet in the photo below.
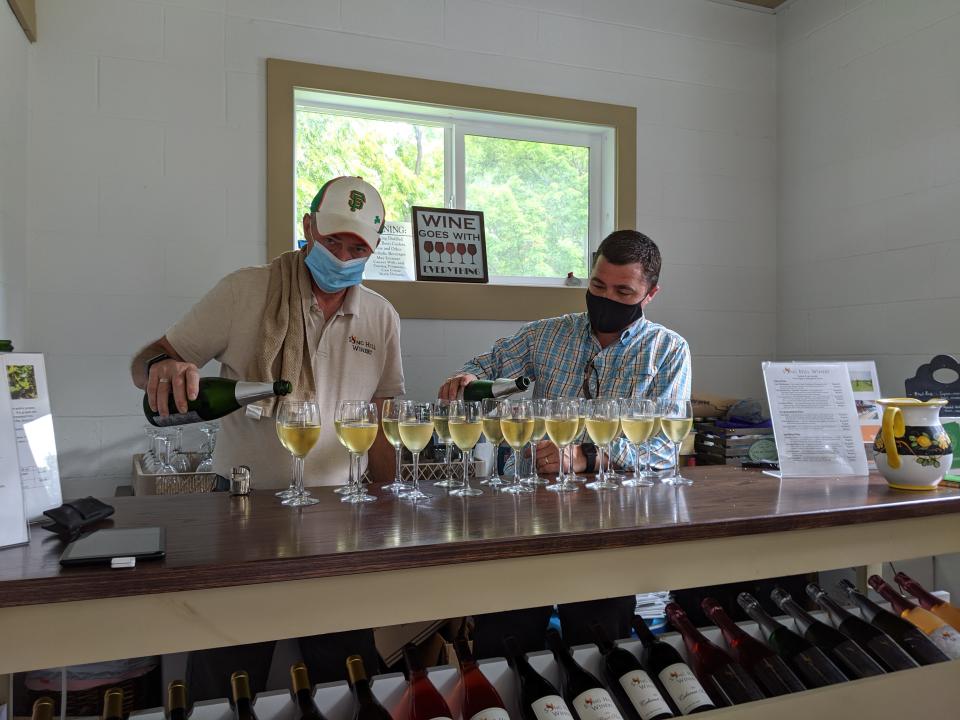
(72, 518)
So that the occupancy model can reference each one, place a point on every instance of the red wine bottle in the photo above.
(807, 660)
(664, 664)
(585, 695)
(852, 659)
(940, 633)
(539, 699)
(481, 701)
(904, 633)
(950, 614)
(365, 704)
(426, 702)
(875, 641)
(772, 674)
(633, 689)
(725, 681)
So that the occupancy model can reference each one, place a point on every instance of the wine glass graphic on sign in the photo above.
(461, 251)
(472, 250)
(428, 246)
(450, 247)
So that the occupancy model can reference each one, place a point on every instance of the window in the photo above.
(545, 187)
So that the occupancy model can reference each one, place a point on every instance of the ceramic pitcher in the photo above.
(912, 450)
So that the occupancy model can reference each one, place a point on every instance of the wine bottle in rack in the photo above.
(940, 633)
(481, 701)
(306, 708)
(810, 663)
(43, 708)
(950, 614)
(771, 672)
(632, 687)
(426, 702)
(875, 641)
(242, 699)
(539, 699)
(725, 681)
(663, 663)
(365, 704)
(113, 704)
(585, 695)
(176, 700)
(904, 633)
(852, 659)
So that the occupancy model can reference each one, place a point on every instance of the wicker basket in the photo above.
(145, 483)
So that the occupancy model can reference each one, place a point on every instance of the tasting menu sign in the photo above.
(449, 245)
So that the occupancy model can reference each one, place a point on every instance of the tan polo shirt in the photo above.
(356, 356)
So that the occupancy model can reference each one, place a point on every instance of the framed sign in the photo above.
(449, 245)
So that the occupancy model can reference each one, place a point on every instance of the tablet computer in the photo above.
(101, 546)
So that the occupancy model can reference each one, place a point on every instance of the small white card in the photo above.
(13, 519)
(815, 421)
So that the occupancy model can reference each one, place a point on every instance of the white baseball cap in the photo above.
(349, 205)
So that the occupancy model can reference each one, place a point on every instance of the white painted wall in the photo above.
(147, 130)
(869, 213)
(13, 175)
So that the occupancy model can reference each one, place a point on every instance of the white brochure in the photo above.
(25, 379)
(13, 521)
(815, 421)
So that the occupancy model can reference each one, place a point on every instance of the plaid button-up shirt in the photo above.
(648, 361)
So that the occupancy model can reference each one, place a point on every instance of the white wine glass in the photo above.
(579, 437)
(298, 427)
(466, 424)
(416, 429)
(390, 420)
(676, 421)
(357, 426)
(562, 419)
(207, 447)
(637, 420)
(516, 423)
(603, 425)
(440, 414)
(494, 435)
(539, 431)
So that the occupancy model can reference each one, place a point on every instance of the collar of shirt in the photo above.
(349, 306)
(629, 334)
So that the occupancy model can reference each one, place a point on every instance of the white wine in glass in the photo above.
(390, 421)
(298, 427)
(440, 414)
(494, 435)
(562, 421)
(539, 431)
(638, 419)
(416, 429)
(516, 423)
(603, 425)
(465, 428)
(676, 421)
(357, 426)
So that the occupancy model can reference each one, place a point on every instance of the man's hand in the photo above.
(452, 389)
(183, 377)
(548, 458)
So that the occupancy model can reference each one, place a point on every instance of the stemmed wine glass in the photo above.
(164, 452)
(428, 246)
(579, 437)
(298, 427)
(461, 251)
(637, 418)
(357, 426)
(150, 456)
(561, 423)
(603, 425)
(676, 421)
(209, 444)
(179, 459)
(390, 419)
(516, 422)
(416, 429)
(465, 427)
(439, 414)
(539, 430)
(494, 435)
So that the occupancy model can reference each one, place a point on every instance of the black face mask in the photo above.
(609, 316)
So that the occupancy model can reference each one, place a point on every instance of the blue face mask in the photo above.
(330, 272)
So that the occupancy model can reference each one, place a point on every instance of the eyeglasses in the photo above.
(589, 371)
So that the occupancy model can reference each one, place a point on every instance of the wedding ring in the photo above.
(163, 380)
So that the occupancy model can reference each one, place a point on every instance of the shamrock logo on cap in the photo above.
(356, 200)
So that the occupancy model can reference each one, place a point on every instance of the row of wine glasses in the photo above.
(165, 454)
(461, 249)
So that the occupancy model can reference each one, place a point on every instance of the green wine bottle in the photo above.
(217, 397)
(482, 389)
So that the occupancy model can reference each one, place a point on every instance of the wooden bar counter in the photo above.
(242, 570)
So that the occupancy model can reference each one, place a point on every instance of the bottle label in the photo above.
(177, 419)
(643, 694)
(551, 707)
(948, 640)
(684, 688)
(492, 713)
(596, 704)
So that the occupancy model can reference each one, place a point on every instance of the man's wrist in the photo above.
(589, 451)
(154, 360)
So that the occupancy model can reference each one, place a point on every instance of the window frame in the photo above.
(515, 298)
